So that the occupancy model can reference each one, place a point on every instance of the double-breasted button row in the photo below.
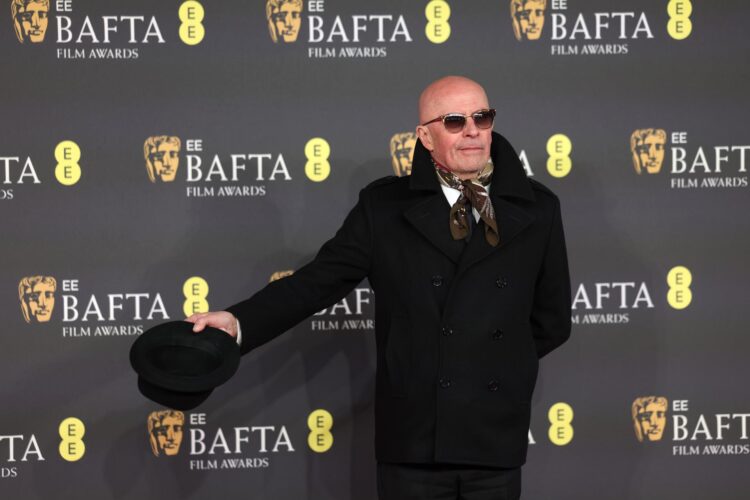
(493, 385)
(437, 280)
(447, 332)
(497, 334)
(501, 282)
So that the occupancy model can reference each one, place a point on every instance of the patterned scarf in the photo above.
(473, 194)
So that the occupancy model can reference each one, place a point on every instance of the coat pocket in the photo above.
(398, 355)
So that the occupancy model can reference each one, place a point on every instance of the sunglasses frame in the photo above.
(442, 118)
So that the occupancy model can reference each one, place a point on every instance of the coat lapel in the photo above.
(430, 216)
(511, 220)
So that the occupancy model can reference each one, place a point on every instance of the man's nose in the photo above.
(471, 129)
(35, 20)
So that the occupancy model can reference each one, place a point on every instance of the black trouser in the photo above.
(447, 482)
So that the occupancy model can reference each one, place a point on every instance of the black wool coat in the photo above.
(460, 326)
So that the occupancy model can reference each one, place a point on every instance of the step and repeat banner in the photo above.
(163, 158)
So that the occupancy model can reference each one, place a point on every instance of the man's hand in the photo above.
(222, 320)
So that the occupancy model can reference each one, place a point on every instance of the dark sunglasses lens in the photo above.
(454, 123)
(484, 119)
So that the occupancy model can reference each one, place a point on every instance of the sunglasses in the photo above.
(455, 122)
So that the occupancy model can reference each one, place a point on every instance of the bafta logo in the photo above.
(402, 150)
(279, 275)
(37, 295)
(162, 157)
(647, 146)
(528, 18)
(30, 18)
(284, 19)
(165, 431)
(649, 418)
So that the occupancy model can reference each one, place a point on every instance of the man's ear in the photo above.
(424, 135)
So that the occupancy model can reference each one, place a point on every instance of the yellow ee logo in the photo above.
(560, 416)
(679, 279)
(679, 25)
(317, 152)
(320, 438)
(72, 447)
(437, 29)
(558, 149)
(195, 291)
(67, 155)
(191, 14)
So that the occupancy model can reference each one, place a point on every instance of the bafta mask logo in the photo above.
(649, 418)
(647, 146)
(37, 295)
(165, 431)
(30, 19)
(402, 151)
(284, 19)
(279, 275)
(528, 18)
(162, 153)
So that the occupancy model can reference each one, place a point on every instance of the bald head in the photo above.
(465, 152)
(440, 94)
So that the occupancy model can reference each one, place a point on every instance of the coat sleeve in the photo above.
(340, 265)
(550, 314)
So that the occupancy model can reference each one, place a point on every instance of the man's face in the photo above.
(530, 18)
(402, 149)
(40, 300)
(168, 435)
(33, 21)
(165, 160)
(463, 152)
(651, 153)
(652, 420)
(288, 20)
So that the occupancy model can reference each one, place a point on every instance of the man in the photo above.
(471, 292)
(162, 154)
(37, 296)
(30, 19)
(165, 431)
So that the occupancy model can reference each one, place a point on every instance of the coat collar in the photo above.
(508, 179)
(430, 215)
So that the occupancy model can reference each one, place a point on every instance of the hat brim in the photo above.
(171, 358)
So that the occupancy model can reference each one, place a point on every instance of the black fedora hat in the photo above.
(179, 368)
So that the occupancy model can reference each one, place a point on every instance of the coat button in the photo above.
(447, 332)
(437, 280)
(497, 334)
(445, 383)
(493, 386)
(501, 282)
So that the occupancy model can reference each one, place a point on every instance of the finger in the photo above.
(199, 325)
